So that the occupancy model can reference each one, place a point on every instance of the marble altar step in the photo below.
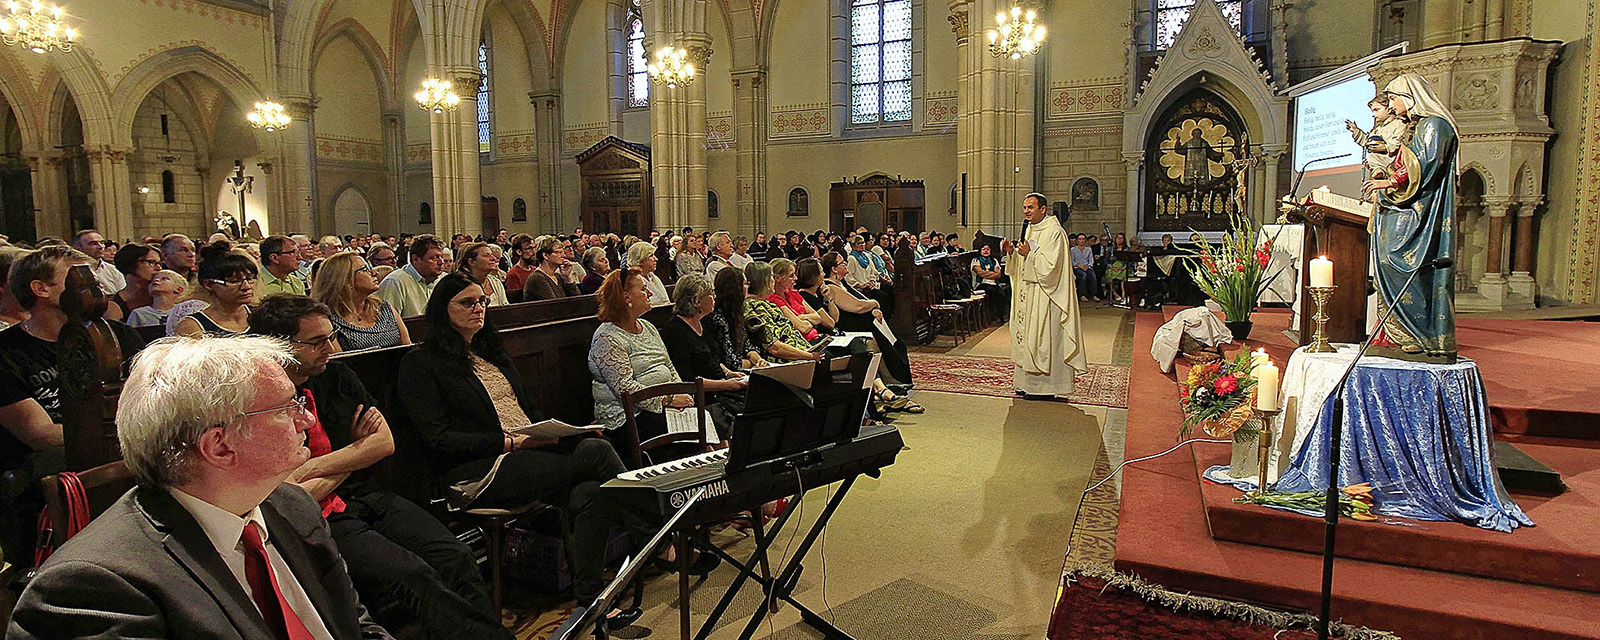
(1562, 551)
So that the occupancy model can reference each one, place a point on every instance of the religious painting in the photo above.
(425, 214)
(519, 210)
(712, 205)
(799, 202)
(1193, 155)
(1085, 195)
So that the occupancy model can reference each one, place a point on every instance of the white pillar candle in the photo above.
(1260, 357)
(1322, 272)
(1266, 386)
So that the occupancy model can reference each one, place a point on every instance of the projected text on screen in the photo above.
(1319, 129)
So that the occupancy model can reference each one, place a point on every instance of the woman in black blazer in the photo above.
(462, 393)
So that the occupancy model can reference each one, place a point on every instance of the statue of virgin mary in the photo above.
(1414, 224)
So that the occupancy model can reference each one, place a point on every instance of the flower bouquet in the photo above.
(1219, 397)
(1355, 501)
(1234, 271)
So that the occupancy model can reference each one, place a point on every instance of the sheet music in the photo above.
(795, 374)
(684, 421)
(551, 429)
(883, 328)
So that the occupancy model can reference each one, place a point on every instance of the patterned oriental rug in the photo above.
(1103, 385)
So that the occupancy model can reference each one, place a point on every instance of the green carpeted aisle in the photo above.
(963, 537)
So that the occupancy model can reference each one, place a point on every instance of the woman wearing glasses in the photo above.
(138, 264)
(226, 282)
(464, 395)
(349, 286)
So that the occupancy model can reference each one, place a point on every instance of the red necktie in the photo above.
(264, 589)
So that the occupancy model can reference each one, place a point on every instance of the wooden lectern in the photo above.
(1342, 236)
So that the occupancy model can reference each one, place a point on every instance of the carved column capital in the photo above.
(1528, 205)
(466, 83)
(959, 26)
(699, 55)
(1274, 152)
(1497, 206)
(1132, 161)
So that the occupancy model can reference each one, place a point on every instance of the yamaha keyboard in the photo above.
(663, 488)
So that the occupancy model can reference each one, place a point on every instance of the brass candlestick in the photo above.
(1264, 440)
(1319, 335)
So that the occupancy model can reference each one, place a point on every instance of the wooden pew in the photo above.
(919, 286)
(523, 314)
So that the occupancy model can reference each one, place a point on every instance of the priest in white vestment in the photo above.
(1046, 334)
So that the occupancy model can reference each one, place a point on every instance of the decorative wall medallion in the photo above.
(512, 144)
(1478, 91)
(939, 111)
(1206, 42)
(805, 121)
(346, 149)
(1101, 98)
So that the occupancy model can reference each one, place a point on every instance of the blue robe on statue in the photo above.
(1414, 224)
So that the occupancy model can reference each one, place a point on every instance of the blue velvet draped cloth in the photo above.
(1420, 434)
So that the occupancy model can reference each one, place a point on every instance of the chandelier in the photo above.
(672, 68)
(38, 28)
(1015, 34)
(269, 117)
(437, 96)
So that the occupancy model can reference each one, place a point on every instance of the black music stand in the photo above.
(593, 617)
(785, 429)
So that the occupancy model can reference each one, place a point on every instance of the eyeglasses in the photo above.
(365, 267)
(283, 253)
(298, 403)
(233, 282)
(474, 302)
(318, 343)
(149, 261)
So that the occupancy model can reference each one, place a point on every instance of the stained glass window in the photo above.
(1170, 15)
(638, 73)
(880, 61)
(483, 95)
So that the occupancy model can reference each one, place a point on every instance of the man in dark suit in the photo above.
(211, 544)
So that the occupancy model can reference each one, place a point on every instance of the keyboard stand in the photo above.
(783, 587)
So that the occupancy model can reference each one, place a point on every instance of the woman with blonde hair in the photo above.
(476, 260)
(349, 286)
(166, 288)
(642, 256)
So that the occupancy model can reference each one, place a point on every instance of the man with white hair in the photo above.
(330, 246)
(308, 253)
(721, 254)
(211, 543)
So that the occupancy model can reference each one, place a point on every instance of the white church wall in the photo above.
(584, 95)
(376, 18)
(155, 154)
(815, 166)
(350, 146)
(798, 56)
(126, 33)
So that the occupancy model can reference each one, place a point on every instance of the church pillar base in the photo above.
(1495, 293)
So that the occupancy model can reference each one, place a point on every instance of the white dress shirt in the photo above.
(111, 281)
(225, 529)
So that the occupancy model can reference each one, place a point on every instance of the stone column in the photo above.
(1494, 25)
(990, 132)
(1134, 162)
(1268, 186)
(750, 147)
(113, 191)
(295, 205)
(394, 156)
(1493, 284)
(457, 200)
(1522, 252)
(46, 168)
(547, 133)
(678, 138)
(617, 64)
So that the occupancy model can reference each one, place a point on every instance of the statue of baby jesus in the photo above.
(1387, 135)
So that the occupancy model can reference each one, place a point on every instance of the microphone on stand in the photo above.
(1301, 174)
(1330, 506)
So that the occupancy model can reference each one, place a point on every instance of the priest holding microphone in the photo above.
(1046, 333)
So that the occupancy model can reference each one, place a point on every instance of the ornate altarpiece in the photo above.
(1192, 154)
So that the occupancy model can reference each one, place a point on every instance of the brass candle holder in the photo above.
(1264, 440)
(1319, 335)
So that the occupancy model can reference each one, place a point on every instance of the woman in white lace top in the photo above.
(627, 355)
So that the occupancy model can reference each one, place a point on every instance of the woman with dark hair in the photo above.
(225, 281)
(666, 269)
(858, 312)
(776, 248)
(464, 396)
(138, 264)
(758, 248)
(477, 259)
(551, 278)
(727, 323)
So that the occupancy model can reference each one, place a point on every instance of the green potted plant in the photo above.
(1234, 271)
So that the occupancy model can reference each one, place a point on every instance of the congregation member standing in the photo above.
(1047, 348)
(400, 558)
(211, 544)
(408, 288)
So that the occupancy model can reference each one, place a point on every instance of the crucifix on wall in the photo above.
(240, 184)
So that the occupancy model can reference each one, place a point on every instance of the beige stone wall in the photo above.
(816, 165)
(1571, 22)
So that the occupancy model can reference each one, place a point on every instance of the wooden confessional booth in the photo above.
(876, 202)
(616, 188)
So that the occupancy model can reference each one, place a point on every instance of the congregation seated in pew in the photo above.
(644, 257)
(479, 260)
(627, 354)
(551, 277)
(463, 395)
(402, 560)
(225, 286)
(596, 265)
(695, 342)
(408, 287)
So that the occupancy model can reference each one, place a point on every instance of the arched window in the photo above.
(712, 205)
(169, 187)
(483, 95)
(1171, 14)
(638, 72)
(880, 61)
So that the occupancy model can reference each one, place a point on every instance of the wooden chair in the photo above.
(495, 520)
(630, 401)
(102, 486)
(637, 449)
